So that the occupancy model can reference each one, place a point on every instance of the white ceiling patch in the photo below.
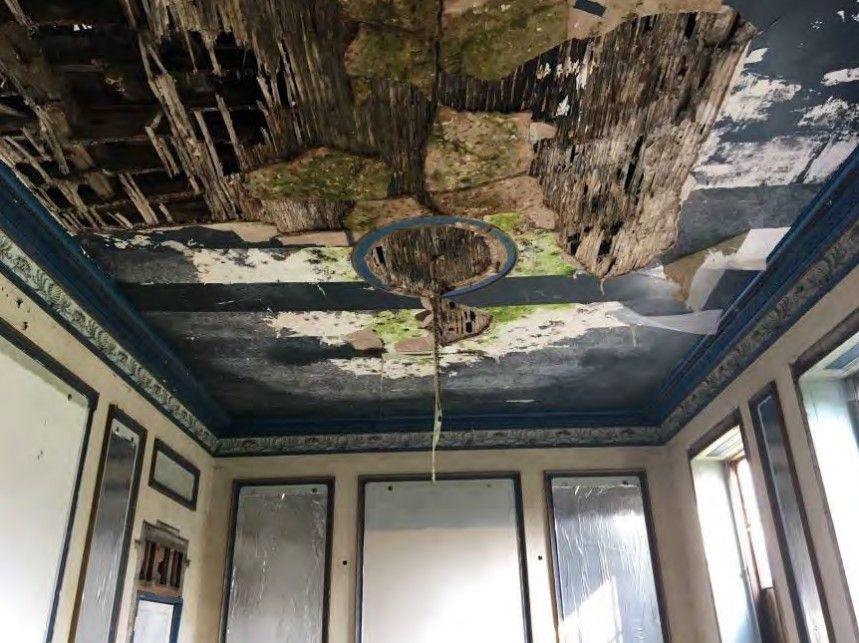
(841, 76)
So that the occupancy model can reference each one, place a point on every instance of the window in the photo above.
(279, 563)
(442, 561)
(783, 491)
(734, 546)
(46, 422)
(829, 388)
(603, 567)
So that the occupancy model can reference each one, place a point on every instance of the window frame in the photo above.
(652, 542)
(771, 390)
(238, 485)
(801, 365)
(513, 476)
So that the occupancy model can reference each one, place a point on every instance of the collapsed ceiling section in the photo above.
(613, 172)
(344, 115)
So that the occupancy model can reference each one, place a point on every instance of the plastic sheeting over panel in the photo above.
(441, 562)
(109, 536)
(605, 573)
(277, 582)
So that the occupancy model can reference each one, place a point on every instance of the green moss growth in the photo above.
(392, 54)
(323, 173)
(467, 149)
(359, 220)
(490, 41)
(510, 222)
(334, 262)
(539, 253)
(414, 15)
(392, 326)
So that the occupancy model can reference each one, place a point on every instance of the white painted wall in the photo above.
(773, 366)
(41, 443)
(152, 506)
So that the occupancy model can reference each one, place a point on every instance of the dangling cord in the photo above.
(436, 336)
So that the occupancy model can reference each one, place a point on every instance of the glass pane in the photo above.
(780, 480)
(110, 536)
(605, 573)
(441, 562)
(154, 622)
(829, 393)
(277, 585)
(44, 424)
(174, 476)
(725, 534)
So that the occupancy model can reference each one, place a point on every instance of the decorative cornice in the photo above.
(820, 249)
(450, 440)
(817, 281)
(23, 271)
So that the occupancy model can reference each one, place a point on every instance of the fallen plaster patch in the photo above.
(515, 329)
(331, 328)
(753, 95)
(755, 56)
(779, 161)
(841, 76)
(830, 159)
(834, 110)
(253, 265)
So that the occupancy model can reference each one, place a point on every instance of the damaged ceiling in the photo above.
(221, 159)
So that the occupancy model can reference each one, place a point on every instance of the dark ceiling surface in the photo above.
(220, 161)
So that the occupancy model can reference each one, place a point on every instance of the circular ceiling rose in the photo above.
(440, 255)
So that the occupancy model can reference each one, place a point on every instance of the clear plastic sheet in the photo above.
(441, 563)
(108, 537)
(277, 581)
(790, 515)
(605, 573)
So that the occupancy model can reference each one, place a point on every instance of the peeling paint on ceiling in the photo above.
(221, 159)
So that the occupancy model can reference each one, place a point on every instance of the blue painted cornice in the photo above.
(41, 258)
(820, 248)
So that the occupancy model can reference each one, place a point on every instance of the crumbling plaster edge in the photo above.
(814, 283)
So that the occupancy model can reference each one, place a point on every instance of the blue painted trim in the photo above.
(33, 229)
(820, 225)
(453, 422)
(362, 249)
(824, 220)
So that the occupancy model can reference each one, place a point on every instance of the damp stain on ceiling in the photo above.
(221, 159)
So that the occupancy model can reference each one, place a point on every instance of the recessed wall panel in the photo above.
(606, 585)
(278, 572)
(111, 533)
(43, 433)
(442, 562)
